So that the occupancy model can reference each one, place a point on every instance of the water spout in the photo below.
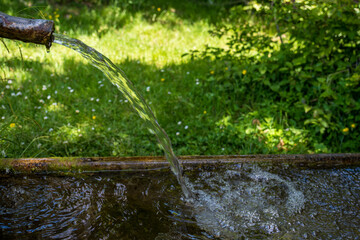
(37, 31)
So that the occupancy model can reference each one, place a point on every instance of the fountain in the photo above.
(227, 197)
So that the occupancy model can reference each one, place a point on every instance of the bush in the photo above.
(296, 62)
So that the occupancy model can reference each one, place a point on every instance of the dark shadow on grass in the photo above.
(99, 17)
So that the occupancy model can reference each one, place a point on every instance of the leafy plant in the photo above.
(299, 59)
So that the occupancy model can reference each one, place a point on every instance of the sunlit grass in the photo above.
(57, 104)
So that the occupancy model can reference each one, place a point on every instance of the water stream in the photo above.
(118, 78)
(223, 204)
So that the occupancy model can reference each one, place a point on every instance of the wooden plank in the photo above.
(71, 164)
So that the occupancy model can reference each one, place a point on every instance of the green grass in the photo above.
(62, 106)
(57, 104)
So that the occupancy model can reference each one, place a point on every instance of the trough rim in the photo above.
(138, 163)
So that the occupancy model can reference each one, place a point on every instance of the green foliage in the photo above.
(299, 60)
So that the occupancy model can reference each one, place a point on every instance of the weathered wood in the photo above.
(37, 31)
(28, 165)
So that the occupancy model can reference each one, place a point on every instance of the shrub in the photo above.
(294, 61)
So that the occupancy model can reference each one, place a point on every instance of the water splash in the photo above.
(243, 201)
(118, 78)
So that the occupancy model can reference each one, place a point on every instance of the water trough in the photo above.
(237, 197)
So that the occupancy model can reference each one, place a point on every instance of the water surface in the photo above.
(246, 202)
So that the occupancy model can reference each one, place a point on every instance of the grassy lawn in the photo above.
(57, 104)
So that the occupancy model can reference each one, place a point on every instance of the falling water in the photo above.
(119, 79)
(226, 204)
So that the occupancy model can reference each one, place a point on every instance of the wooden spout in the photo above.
(37, 31)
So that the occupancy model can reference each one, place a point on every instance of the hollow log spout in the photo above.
(37, 31)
